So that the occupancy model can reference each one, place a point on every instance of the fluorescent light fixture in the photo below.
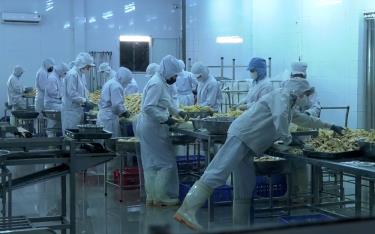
(49, 5)
(229, 40)
(129, 7)
(92, 20)
(107, 15)
(67, 25)
(135, 38)
(329, 2)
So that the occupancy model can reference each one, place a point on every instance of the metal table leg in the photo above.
(371, 197)
(10, 202)
(211, 199)
(63, 200)
(3, 192)
(121, 173)
(105, 179)
(72, 202)
(358, 196)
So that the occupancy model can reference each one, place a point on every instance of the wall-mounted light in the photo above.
(229, 40)
(135, 38)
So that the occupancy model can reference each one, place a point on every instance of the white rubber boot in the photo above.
(241, 212)
(195, 198)
(150, 176)
(162, 179)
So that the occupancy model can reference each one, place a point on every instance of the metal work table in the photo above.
(67, 162)
(337, 165)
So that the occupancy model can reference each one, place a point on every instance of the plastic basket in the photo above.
(130, 177)
(279, 186)
(222, 195)
(313, 218)
(188, 163)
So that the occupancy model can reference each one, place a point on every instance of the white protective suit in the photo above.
(40, 83)
(107, 71)
(75, 92)
(260, 85)
(209, 92)
(250, 134)
(15, 91)
(131, 88)
(158, 158)
(53, 95)
(111, 103)
(185, 84)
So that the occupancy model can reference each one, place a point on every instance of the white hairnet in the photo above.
(84, 59)
(299, 68)
(182, 64)
(297, 86)
(169, 67)
(18, 70)
(104, 67)
(151, 69)
(48, 63)
(61, 69)
(200, 69)
(124, 75)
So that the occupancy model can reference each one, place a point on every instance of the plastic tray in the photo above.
(75, 134)
(367, 148)
(322, 155)
(222, 195)
(313, 218)
(192, 162)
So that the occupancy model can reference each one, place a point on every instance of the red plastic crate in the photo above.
(130, 177)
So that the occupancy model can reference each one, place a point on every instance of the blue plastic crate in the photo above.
(222, 195)
(313, 218)
(279, 186)
(188, 163)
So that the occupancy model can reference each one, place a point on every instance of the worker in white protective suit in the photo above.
(186, 85)
(106, 71)
(75, 92)
(111, 104)
(300, 177)
(53, 96)
(313, 107)
(132, 86)
(151, 69)
(209, 92)
(40, 83)
(158, 158)
(260, 84)
(250, 134)
(15, 92)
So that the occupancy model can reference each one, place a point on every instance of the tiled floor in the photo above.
(97, 214)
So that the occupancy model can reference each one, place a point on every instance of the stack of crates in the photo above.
(279, 186)
(130, 177)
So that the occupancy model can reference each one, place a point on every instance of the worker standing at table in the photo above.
(15, 91)
(158, 158)
(75, 95)
(260, 84)
(186, 85)
(249, 135)
(209, 92)
(111, 104)
(53, 96)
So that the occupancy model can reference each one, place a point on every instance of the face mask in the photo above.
(171, 80)
(50, 69)
(254, 75)
(304, 101)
